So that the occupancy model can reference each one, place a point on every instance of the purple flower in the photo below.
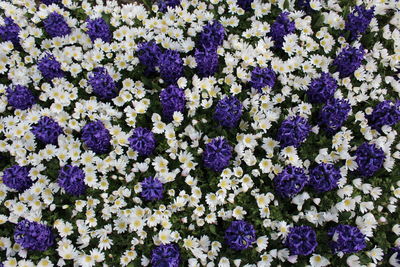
(142, 141)
(346, 239)
(333, 114)
(293, 131)
(394, 259)
(166, 255)
(72, 179)
(171, 66)
(172, 99)
(228, 111)
(17, 177)
(98, 28)
(47, 130)
(240, 235)
(207, 62)
(50, 67)
(324, 177)
(49, 2)
(33, 236)
(348, 60)
(321, 89)
(280, 28)
(148, 54)
(357, 22)
(385, 113)
(301, 240)
(245, 4)
(290, 181)
(10, 31)
(164, 4)
(20, 97)
(96, 137)
(217, 154)
(212, 36)
(152, 189)
(304, 5)
(261, 77)
(369, 159)
(56, 26)
(103, 84)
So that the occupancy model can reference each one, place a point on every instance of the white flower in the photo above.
(318, 261)
(376, 254)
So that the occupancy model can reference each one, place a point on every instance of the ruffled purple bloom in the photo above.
(96, 137)
(33, 236)
(20, 97)
(172, 99)
(217, 154)
(152, 189)
(369, 159)
(333, 114)
(212, 36)
(103, 84)
(17, 177)
(164, 4)
(357, 22)
(171, 66)
(280, 28)
(72, 179)
(49, 2)
(293, 131)
(290, 181)
(346, 239)
(148, 54)
(348, 61)
(142, 141)
(166, 255)
(56, 26)
(324, 177)
(261, 77)
(207, 62)
(301, 240)
(10, 31)
(240, 235)
(245, 4)
(50, 67)
(228, 111)
(385, 113)
(47, 130)
(321, 89)
(98, 28)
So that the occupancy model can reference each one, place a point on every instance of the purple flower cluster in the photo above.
(240, 235)
(152, 189)
(324, 177)
(164, 4)
(17, 177)
(348, 60)
(148, 54)
(33, 236)
(103, 84)
(304, 5)
(172, 99)
(166, 255)
(98, 28)
(50, 67)
(280, 28)
(217, 154)
(20, 97)
(385, 113)
(357, 22)
(56, 26)
(369, 159)
(333, 114)
(261, 77)
(171, 66)
(346, 239)
(47, 130)
(96, 137)
(321, 89)
(72, 179)
(228, 111)
(293, 131)
(245, 4)
(10, 31)
(207, 61)
(142, 141)
(301, 240)
(49, 2)
(290, 181)
(212, 36)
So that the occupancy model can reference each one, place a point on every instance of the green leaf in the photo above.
(286, 4)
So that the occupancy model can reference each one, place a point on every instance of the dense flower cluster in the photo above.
(348, 60)
(228, 111)
(56, 26)
(50, 67)
(290, 181)
(261, 77)
(33, 236)
(293, 131)
(301, 240)
(212, 36)
(322, 88)
(152, 189)
(240, 235)
(17, 177)
(207, 61)
(324, 177)
(346, 239)
(49, 2)
(142, 141)
(217, 154)
(9, 31)
(245, 4)
(20, 97)
(369, 158)
(47, 130)
(171, 66)
(103, 84)
(96, 137)
(72, 179)
(172, 99)
(148, 54)
(166, 255)
(384, 113)
(164, 4)
(280, 28)
(358, 21)
(99, 29)
(333, 114)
